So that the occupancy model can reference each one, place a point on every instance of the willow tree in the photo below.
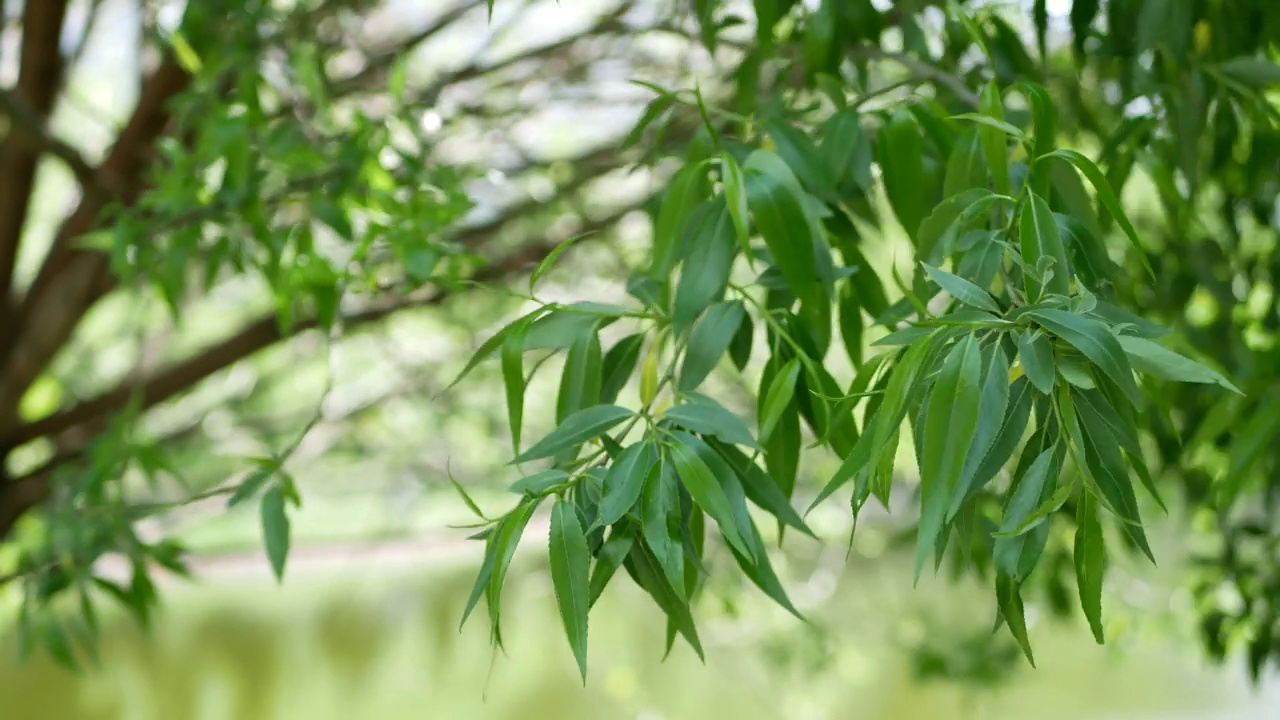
(1025, 353)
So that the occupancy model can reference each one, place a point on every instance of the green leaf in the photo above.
(1091, 562)
(618, 365)
(966, 168)
(490, 346)
(781, 392)
(949, 428)
(705, 490)
(1255, 72)
(1044, 122)
(1097, 343)
(885, 421)
(576, 429)
(253, 483)
(1153, 359)
(275, 529)
(901, 155)
(710, 337)
(706, 270)
(505, 538)
(992, 123)
(774, 196)
(991, 416)
(649, 576)
(580, 383)
(686, 191)
(611, 555)
(1107, 466)
(1010, 601)
(760, 488)
(1035, 352)
(803, 157)
(659, 507)
(940, 224)
(735, 197)
(961, 289)
(740, 346)
(1038, 482)
(994, 145)
(624, 482)
(851, 327)
(1039, 235)
(570, 564)
(983, 259)
(848, 149)
(1252, 442)
(1041, 513)
(971, 28)
(549, 261)
(1107, 196)
(1011, 432)
(710, 418)
(513, 380)
(539, 483)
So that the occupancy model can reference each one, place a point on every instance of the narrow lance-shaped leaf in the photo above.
(949, 427)
(994, 145)
(901, 154)
(618, 365)
(711, 418)
(781, 392)
(1095, 341)
(624, 482)
(966, 167)
(961, 289)
(1039, 236)
(570, 565)
(513, 381)
(275, 529)
(706, 269)
(1106, 196)
(774, 197)
(1090, 562)
(705, 490)
(991, 416)
(708, 342)
(576, 429)
(885, 421)
(735, 197)
(1153, 359)
(686, 192)
(1035, 353)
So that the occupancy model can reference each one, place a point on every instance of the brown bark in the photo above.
(72, 279)
(39, 77)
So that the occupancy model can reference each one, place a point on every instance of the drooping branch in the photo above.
(39, 77)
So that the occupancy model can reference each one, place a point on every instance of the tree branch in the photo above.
(39, 76)
(31, 489)
(923, 70)
(47, 318)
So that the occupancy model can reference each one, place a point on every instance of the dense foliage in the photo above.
(1029, 360)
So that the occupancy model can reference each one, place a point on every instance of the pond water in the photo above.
(358, 641)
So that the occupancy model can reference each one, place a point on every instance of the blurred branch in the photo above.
(70, 279)
(920, 69)
(27, 491)
(39, 77)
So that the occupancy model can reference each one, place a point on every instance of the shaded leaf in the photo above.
(576, 429)
(570, 564)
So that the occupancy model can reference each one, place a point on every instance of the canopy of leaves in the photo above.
(1027, 353)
